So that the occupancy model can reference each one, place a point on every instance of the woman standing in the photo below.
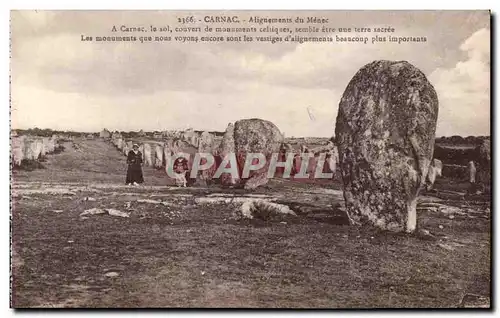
(134, 171)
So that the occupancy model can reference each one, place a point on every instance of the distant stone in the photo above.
(227, 147)
(435, 170)
(483, 173)
(206, 142)
(472, 171)
(146, 154)
(158, 157)
(385, 134)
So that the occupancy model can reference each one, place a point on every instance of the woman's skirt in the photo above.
(134, 174)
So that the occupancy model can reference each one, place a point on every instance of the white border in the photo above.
(189, 4)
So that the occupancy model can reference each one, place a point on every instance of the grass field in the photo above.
(189, 247)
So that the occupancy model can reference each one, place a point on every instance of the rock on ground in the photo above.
(263, 209)
(385, 135)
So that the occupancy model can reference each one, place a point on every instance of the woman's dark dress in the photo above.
(134, 172)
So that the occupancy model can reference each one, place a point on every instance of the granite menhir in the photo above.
(385, 134)
(251, 136)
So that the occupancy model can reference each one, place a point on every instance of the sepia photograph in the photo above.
(262, 159)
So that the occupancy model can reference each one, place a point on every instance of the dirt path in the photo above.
(190, 247)
(89, 161)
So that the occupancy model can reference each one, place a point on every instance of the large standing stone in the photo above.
(256, 136)
(119, 143)
(385, 136)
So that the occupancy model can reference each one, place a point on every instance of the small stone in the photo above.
(202, 273)
(114, 212)
(148, 201)
(92, 212)
(446, 246)
(90, 199)
(112, 274)
(283, 222)
(475, 301)
(71, 241)
(451, 217)
(426, 235)
(441, 227)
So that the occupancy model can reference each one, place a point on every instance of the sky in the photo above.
(63, 83)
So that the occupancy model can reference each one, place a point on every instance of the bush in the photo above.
(58, 149)
(455, 156)
(456, 172)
